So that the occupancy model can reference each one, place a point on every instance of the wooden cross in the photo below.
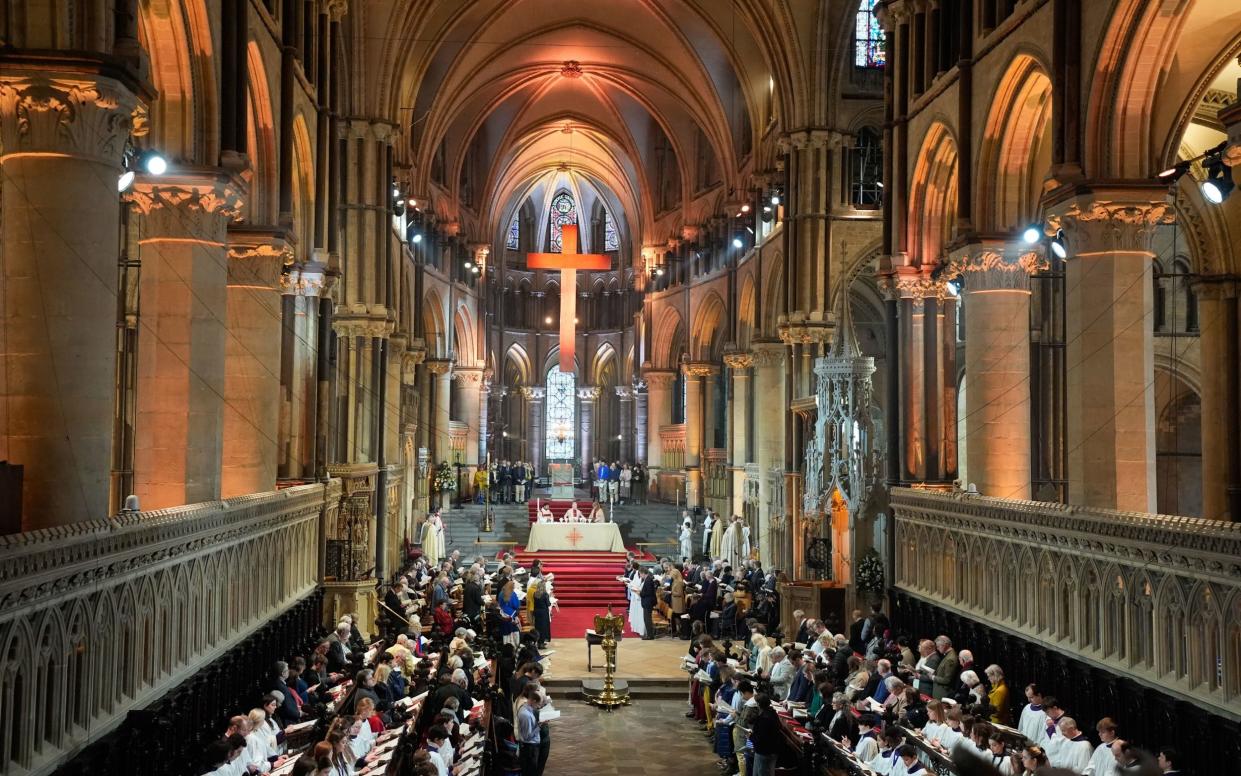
(568, 261)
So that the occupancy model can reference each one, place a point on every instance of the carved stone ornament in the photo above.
(197, 207)
(336, 9)
(439, 366)
(370, 328)
(988, 270)
(739, 360)
(410, 359)
(589, 392)
(85, 118)
(624, 392)
(659, 378)
(769, 354)
(700, 369)
(468, 376)
(533, 392)
(1098, 225)
(301, 282)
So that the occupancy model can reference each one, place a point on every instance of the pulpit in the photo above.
(562, 481)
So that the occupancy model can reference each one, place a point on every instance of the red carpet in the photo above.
(558, 508)
(583, 579)
(572, 623)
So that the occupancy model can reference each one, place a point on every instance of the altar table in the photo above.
(599, 537)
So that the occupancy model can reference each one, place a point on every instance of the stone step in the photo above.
(650, 689)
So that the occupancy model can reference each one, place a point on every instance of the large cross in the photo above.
(568, 261)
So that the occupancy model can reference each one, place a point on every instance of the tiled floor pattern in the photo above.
(650, 737)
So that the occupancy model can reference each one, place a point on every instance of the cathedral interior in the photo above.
(948, 289)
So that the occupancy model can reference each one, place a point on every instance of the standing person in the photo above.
(614, 482)
(481, 481)
(687, 539)
(639, 484)
(510, 625)
(626, 484)
(540, 603)
(1033, 718)
(765, 738)
(601, 480)
(528, 739)
(647, 596)
(1103, 762)
(946, 671)
(637, 621)
(707, 525)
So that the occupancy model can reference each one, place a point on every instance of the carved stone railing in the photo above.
(1152, 597)
(102, 617)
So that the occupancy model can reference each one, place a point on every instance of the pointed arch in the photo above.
(435, 333)
(263, 201)
(667, 344)
(517, 358)
(933, 197)
(709, 332)
(1016, 148)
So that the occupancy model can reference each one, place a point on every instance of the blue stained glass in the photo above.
(514, 235)
(610, 241)
(563, 212)
(560, 429)
(868, 37)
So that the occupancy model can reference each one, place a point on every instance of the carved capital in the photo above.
(414, 355)
(470, 377)
(1095, 224)
(810, 139)
(659, 378)
(350, 326)
(304, 281)
(439, 366)
(82, 117)
(533, 392)
(589, 392)
(700, 368)
(624, 392)
(186, 207)
(336, 9)
(739, 360)
(997, 268)
(768, 353)
(1217, 287)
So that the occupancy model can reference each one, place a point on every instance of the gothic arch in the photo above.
(184, 119)
(435, 333)
(706, 343)
(932, 211)
(668, 340)
(263, 201)
(1016, 148)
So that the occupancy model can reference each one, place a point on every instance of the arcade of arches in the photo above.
(275, 343)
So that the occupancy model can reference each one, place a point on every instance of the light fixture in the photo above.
(659, 271)
(125, 181)
(1031, 235)
(548, 320)
(953, 287)
(1058, 247)
(745, 208)
(575, 321)
(154, 163)
(620, 436)
(475, 270)
(1218, 184)
(504, 434)
(417, 238)
(469, 264)
(1175, 172)
(737, 243)
(775, 199)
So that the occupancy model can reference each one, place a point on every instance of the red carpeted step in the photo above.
(583, 578)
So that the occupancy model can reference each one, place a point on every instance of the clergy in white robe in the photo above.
(687, 540)
(1103, 762)
(545, 514)
(717, 538)
(1070, 749)
(731, 545)
(573, 514)
(433, 540)
(707, 523)
(1033, 719)
(745, 540)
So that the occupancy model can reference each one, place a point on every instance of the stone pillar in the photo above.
(658, 412)
(625, 422)
(470, 380)
(640, 436)
(179, 428)
(587, 395)
(997, 370)
(1221, 390)
(1109, 353)
(534, 396)
(411, 431)
(770, 416)
(698, 375)
(251, 373)
(62, 139)
(440, 412)
(739, 365)
(484, 413)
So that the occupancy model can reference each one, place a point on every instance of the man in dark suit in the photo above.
(855, 633)
(701, 610)
(338, 655)
(803, 627)
(472, 603)
(648, 603)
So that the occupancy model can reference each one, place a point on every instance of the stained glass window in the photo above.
(610, 241)
(560, 428)
(869, 40)
(563, 212)
(866, 163)
(514, 234)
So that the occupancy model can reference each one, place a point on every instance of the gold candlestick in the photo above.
(609, 627)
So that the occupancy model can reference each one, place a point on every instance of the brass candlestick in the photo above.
(609, 696)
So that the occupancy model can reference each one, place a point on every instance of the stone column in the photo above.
(440, 438)
(62, 139)
(625, 422)
(1109, 353)
(484, 413)
(251, 373)
(640, 437)
(770, 416)
(587, 395)
(470, 380)
(534, 396)
(179, 428)
(697, 375)
(411, 431)
(658, 412)
(739, 365)
(997, 369)
(1221, 389)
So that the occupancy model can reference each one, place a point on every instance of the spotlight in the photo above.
(548, 320)
(469, 264)
(475, 270)
(775, 199)
(417, 238)
(659, 271)
(125, 181)
(575, 321)
(1175, 172)
(745, 208)
(737, 243)
(153, 163)
(1032, 235)
(1058, 247)
(766, 208)
(1218, 184)
(954, 287)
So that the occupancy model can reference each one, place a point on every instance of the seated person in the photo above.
(545, 515)
(573, 514)
(597, 514)
(443, 618)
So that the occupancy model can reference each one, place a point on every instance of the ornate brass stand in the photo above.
(607, 694)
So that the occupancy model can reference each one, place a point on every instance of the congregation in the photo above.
(883, 704)
(451, 672)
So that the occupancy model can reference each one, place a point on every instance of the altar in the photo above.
(595, 537)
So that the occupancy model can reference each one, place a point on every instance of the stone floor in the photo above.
(635, 659)
(650, 737)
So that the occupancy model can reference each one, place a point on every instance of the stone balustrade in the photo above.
(1153, 598)
(104, 616)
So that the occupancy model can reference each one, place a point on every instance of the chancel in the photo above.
(874, 362)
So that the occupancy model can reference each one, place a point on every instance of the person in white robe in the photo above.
(637, 622)
(687, 539)
(745, 539)
(433, 539)
(717, 538)
(545, 514)
(573, 514)
(1033, 720)
(707, 523)
(731, 545)
(597, 515)
(1103, 762)
(1071, 749)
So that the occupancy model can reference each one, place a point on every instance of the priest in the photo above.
(732, 545)
(433, 539)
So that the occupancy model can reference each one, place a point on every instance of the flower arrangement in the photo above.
(444, 479)
(870, 572)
